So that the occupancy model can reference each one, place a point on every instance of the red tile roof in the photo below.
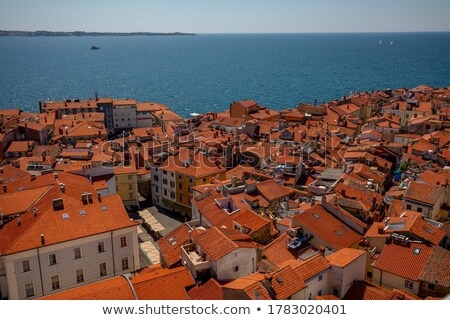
(164, 284)
(306, 269)
(402, 261)
(437, 267)
(344, 257)
(20, 201)
(363, 290)
(111, 289)
(423, 192)
(171, 249)
(286, 282)
(211, 290)
(272, 190)
(214, 243)
(98, 217)
(278, 252)
(327, 227)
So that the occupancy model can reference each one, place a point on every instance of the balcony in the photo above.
(195, 262)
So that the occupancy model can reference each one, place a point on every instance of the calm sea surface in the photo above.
(208, 72)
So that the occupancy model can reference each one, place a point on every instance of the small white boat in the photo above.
(380, 42)
(392, 42)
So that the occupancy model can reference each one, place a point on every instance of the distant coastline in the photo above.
(16, 33)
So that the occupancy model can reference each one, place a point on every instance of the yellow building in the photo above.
(127, 185)
(195, 171)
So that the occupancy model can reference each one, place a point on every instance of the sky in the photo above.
(226, 16)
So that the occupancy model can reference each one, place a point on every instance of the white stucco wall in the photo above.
(67, 264)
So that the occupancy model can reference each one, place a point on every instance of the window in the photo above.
(52, 259)
(77, 253)
(130, 177)
(101, 247)
(165, 181)
(181, 198)
(29, 289)
(319, 293)
(419, 209)
(336, 292)
(125, 263)
(236, 269)
(180, 186)
(55, 282)
(408, 207)
(369, 274)
(190, 180)
(431, 286)
(172, 184)
(320, 277)
(26, 266)
(171, 174)
(80, 275)
(409, 284)
(165, 192)
(103, 271)
(164, 171)
(172, 195)
(123, 242)
(130, 187)
(131, 195)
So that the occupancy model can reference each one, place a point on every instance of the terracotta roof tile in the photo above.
(164, 284)
(171, 249)
(423, 192)
(286, 282)
(437, 267)
(98, 217)
(306, 269)
(363, 290)
(111, 289)
(327, 227)
(211, 290)
(215, 244)
(344, 256)
(402, 260)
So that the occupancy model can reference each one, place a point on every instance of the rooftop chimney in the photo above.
(380, 229)
(322, 251)
(99, 195)
(5, 189)
(42, 239)
(56, 175)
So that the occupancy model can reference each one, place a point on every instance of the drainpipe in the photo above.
(131, 286)
(112, 248)
(40, 271)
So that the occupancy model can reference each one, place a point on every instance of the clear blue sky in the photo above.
(226, 16)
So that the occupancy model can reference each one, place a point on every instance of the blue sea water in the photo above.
(209, 71)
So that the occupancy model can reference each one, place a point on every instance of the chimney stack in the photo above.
(322, 251)
(42, 239)
(99, 195)
(380, 229)
(5, 189)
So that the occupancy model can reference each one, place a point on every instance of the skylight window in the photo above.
(428, 230)
(65, 216)
(170, 239)
(82, 212)
(416, 250)
(315, 215)
(345, 227)
(174, 243)
(104, 208)
(338, 233)
(279, 280)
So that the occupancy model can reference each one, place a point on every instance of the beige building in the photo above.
(69, 238)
